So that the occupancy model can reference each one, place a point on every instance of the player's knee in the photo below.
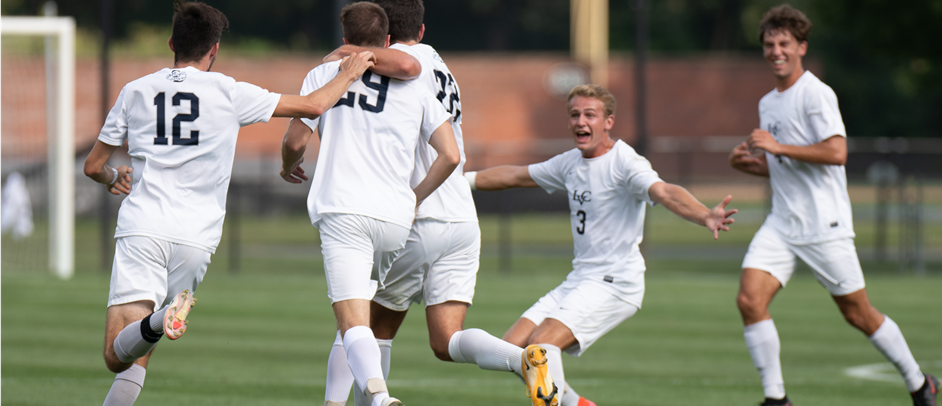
(855, 318)
(115, 365)
(441, 352)
(745, 303)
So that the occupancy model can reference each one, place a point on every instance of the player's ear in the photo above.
(803, 48)
(214, 51)
(387, 41)
(345, 42)
(170, 42)
(421, 32)
(609, 122)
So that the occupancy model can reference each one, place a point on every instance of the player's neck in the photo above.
(606, 145)
(410, 42)
(783, 83)
(204, 64)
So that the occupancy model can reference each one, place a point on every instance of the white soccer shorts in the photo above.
(358, 251)
(439, 264)
(588, 308)
(835, 263)
(147, 268)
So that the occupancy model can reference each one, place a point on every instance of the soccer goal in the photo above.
(38, 135)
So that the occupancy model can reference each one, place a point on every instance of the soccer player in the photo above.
(181, 125)
(440, 261)
(801, 147)
(608, 185)
(361, 197)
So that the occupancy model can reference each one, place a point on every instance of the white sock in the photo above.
(363, 356)
(126, 387)
(135, 341)
(339, 377)
(764, 347)
(157, 319)
(889, 340)
(554, 364)
(568, 397)
(385, 351)
(476, 346)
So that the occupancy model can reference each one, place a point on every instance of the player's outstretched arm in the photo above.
(117, 180)
(444, 143)
(317, 102)
(292, 151)
(500, 178)
(683, 204)
(742, 159)
(832, 151)
(389, 62)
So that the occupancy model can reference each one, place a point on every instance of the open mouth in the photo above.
(583, 136)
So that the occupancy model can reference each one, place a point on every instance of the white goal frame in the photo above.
(62, 144)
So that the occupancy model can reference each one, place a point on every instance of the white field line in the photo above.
(885, 371)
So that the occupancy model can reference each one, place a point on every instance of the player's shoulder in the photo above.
(626, 155)
(812, 86)
(325, 69)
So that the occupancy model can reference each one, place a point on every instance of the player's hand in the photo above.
(742, 156)
(123, 183)
(761, 139)
(358, 63)
(340, 53)
(718, 218)
(294, 174)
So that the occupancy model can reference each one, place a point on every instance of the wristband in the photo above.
(470, 176)
(115, 178)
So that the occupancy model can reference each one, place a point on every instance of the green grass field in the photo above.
(261, 336)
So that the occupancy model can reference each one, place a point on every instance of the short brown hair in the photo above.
(596, 92)
(196, 28)
(405, 18)
(785, 17)
(364, 24)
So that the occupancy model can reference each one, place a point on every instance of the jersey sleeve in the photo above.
(550, 174)
(252, 103)
(636, 174)
(433, 117)
(115, 130)
(823, 113)
(310, 84)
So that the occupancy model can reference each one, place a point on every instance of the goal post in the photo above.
(62, 144)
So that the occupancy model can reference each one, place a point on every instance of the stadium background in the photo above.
(262, 316)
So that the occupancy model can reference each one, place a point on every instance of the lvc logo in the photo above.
(585, 196)
(775, 128)
(176, 75)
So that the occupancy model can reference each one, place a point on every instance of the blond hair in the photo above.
(596, 92)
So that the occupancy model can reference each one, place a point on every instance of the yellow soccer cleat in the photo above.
(540, 387)
(175, 317)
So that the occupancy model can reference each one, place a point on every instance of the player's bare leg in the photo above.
(757, 288)
(362, 351)
(130, 375)
(444, 320)
(885, 335)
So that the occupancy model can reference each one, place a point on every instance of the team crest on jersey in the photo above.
(775, 128)
(176, 75)
(437, 57)
(585, 196)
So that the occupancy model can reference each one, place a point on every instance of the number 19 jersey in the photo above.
(368, 143)
(181, 127)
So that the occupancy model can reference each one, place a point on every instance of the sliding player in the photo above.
(440, 261)
(361, 199)
(801, 146)
(181, 125)
(609, 185)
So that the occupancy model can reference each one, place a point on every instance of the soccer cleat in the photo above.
(175, 317)
(392, 402)
(585, 402)
(926, 395)
(777, 402)
(540, 386)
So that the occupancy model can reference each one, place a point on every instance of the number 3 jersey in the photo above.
(368, 143)
(607, 195)
(181, 127)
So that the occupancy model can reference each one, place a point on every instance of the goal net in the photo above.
(37, 143)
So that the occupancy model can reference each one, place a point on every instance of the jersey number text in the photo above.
(382, 87)
(453, 98)
(161, 138)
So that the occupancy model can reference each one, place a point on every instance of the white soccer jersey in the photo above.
(452, 200)
(368, 143)
(606, 199)
(809, 201)
(181, 127)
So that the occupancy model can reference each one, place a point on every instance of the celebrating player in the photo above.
(171, 221)
(440, 261)
(801, 147)
(609, 184)
(360, 198)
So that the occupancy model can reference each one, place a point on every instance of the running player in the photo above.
(801, 147)
(361, 198)
(171, 221)
(609, 185)
(440, 261)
